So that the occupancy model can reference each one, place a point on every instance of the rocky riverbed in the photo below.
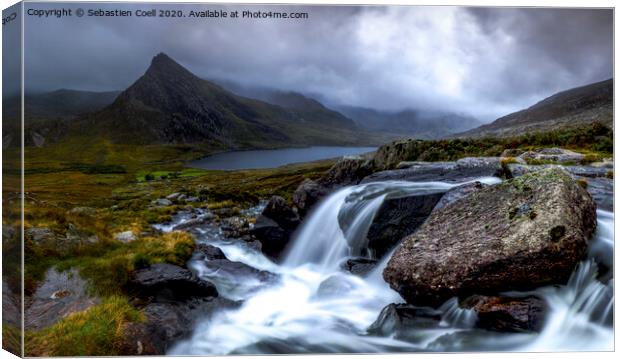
(381, 255)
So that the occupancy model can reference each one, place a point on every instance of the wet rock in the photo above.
(225, 267)
(347, 171)
(399, 319)
(167, 282)
(254, 244)
(278, 210)
(398, 218)
(235, 227)
(192, 199)
(194, 222)
(588, 171)
(58, 295)
(482, 243)
(166, 323)
(272, 237)
(359, 266)
(307, 195)
(275, 225)
(335, 285)
(558, 155)
(602, 191)
(506, 314)
(206, 251)
(462, 170)
(409, 164)
(125, 237)
(457, 193)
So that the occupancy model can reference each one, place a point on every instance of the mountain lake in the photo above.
(255, 159)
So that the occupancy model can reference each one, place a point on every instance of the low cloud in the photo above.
(482, 61)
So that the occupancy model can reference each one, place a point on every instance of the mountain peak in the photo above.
(164, 64)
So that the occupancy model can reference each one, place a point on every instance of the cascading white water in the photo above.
(315, 307)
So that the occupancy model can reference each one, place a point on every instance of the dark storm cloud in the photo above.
(486, 62)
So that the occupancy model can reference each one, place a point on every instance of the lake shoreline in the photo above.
(248, 159)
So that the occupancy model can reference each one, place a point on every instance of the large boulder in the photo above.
(307, 195)
(398, 218)
(274, 226)
(279, 211)
(347, 171)
(165, 282)
(506, 314)
(517, 235)
(272, 237)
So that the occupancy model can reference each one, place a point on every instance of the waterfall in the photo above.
(316, 307)
(322, 240)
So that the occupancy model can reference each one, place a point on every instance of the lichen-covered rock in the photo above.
(520, 234)
(554, 154)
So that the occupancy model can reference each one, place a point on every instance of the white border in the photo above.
(490, 3)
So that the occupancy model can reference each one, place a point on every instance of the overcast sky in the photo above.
(484, 62)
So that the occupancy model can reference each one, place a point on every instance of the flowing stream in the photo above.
(314, 306)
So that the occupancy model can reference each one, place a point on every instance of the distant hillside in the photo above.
(413, 123)
(61, 103)
(302, 106)
(574, 107)
(170, 105)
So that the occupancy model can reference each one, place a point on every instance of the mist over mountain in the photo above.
(415, 123)
(569, 108)
(422, 124)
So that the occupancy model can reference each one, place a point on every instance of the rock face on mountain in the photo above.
(171, 105)
(572, 107)
(520, 234)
